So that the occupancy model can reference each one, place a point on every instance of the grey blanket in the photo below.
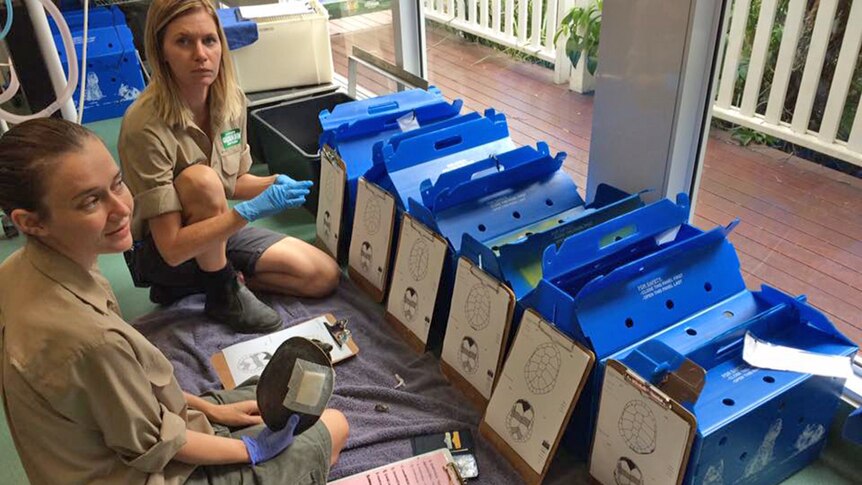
(426, 404)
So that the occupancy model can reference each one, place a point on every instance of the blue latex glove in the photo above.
(268, 444)
(276, 198)
(282, 179)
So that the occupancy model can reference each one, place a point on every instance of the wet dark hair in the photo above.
(27, 152)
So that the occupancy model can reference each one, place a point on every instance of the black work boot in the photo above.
(230, 302)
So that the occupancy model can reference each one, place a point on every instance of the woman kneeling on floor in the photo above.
(184, 153)
(88, 399)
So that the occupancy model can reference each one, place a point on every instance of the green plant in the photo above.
(582, 25)
(745, 136)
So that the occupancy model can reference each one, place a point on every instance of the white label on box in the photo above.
(416, 278)
(329, 207)
(478, 319)
(639, 438)
(536, 389)
(371, 242)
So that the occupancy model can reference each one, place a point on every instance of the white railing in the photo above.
(526, 25)
(504, 22)
(746, 107)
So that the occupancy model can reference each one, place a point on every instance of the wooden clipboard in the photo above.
(455, 377)
(527, 473)
(220, 365)
(649, 392)
(413, 340)
(376, 294)
(329, 155)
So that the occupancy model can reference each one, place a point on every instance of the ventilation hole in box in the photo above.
(482, 228)
(669, 304)
(691, 331)
(728, 314)
(728, 401)
(743, 456)
(549, 202)
(630, 323)
(707, 286)
(768, 379)
(722, 441)
(516, 215)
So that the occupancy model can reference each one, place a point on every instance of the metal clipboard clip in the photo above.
(339, 332)
(648, 391)
(452, 471)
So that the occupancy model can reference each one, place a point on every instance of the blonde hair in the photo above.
(225, 97)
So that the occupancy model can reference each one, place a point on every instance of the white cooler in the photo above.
(292, 49)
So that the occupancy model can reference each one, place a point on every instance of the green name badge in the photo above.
(231, 138)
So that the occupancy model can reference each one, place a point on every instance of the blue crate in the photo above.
(114, 78)
(753, 425)
(515, 257)
(568, 271)
(489, 198)
(352, 129)
(407, 161)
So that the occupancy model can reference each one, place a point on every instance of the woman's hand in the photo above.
(238, 414)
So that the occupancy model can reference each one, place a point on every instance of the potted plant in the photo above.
(582, 25)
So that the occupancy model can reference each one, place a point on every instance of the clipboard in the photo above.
(433, 468)
(641, 432)
(409, 308)
(331, 203)
(476, 337)
(502, 414)
(371, 239)
(254, 354)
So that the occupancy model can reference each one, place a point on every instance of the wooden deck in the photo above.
(801, 228)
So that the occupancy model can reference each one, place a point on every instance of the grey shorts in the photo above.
(305, 462)
(169, 283)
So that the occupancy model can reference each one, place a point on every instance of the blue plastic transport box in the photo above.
(687, 294)
(352, 130)
(403, 163)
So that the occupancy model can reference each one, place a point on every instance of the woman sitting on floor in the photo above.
(184, 153)
(88, 399)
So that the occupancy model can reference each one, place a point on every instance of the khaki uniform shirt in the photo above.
(87, 398)
(152, 154)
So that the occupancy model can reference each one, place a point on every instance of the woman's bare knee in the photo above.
(325, 277)
(339, 430)
(201, 193)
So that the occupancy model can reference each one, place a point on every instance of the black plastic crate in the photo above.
(288, 134)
